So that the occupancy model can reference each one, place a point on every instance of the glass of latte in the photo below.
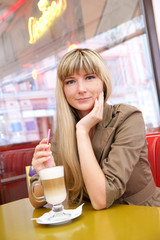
(53, 182)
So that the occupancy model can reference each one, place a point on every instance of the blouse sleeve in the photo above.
(125, 152)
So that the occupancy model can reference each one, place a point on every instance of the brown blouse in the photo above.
(120, 147)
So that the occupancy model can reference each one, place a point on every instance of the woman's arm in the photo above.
(125, 165)
(92, 173)
(38, 191)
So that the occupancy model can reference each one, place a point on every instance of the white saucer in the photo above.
(67, 216)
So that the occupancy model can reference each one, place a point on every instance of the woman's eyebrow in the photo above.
(90, 74)
(69, 77)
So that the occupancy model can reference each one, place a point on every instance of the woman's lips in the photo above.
(83, 99)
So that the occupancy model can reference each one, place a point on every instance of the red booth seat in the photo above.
(13, 160)
(154, 155)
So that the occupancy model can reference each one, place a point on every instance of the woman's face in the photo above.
(81, 90)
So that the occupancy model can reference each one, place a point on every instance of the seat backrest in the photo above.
(154, 155)
(16, 160)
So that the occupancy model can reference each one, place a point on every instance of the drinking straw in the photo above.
(48, 137)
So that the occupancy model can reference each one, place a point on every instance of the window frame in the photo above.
(153, 41)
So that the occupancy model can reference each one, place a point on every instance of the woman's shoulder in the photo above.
(118, 113)
(125, 108)
(130, 116)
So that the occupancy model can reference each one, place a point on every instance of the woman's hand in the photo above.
(42, 156)
(94, 117)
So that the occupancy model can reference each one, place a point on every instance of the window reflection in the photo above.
(133, 78)
(116, 29)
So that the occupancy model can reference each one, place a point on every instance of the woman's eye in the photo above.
(68, 82)
(90, 77)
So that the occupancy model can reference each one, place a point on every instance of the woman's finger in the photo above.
(41, 147)
(40, 160)
(98, 107)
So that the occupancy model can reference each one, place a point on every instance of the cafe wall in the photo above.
(34, 35)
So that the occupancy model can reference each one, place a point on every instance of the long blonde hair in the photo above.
(66, 144)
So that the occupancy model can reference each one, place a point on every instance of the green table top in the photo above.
(119, 222)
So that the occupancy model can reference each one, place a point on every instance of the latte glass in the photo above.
(53, 183)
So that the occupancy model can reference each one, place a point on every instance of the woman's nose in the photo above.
(81, 86)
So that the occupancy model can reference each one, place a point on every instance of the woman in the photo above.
(102, 147)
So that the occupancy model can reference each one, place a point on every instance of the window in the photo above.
(116, 29)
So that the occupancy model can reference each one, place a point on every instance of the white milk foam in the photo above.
(51, 173)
